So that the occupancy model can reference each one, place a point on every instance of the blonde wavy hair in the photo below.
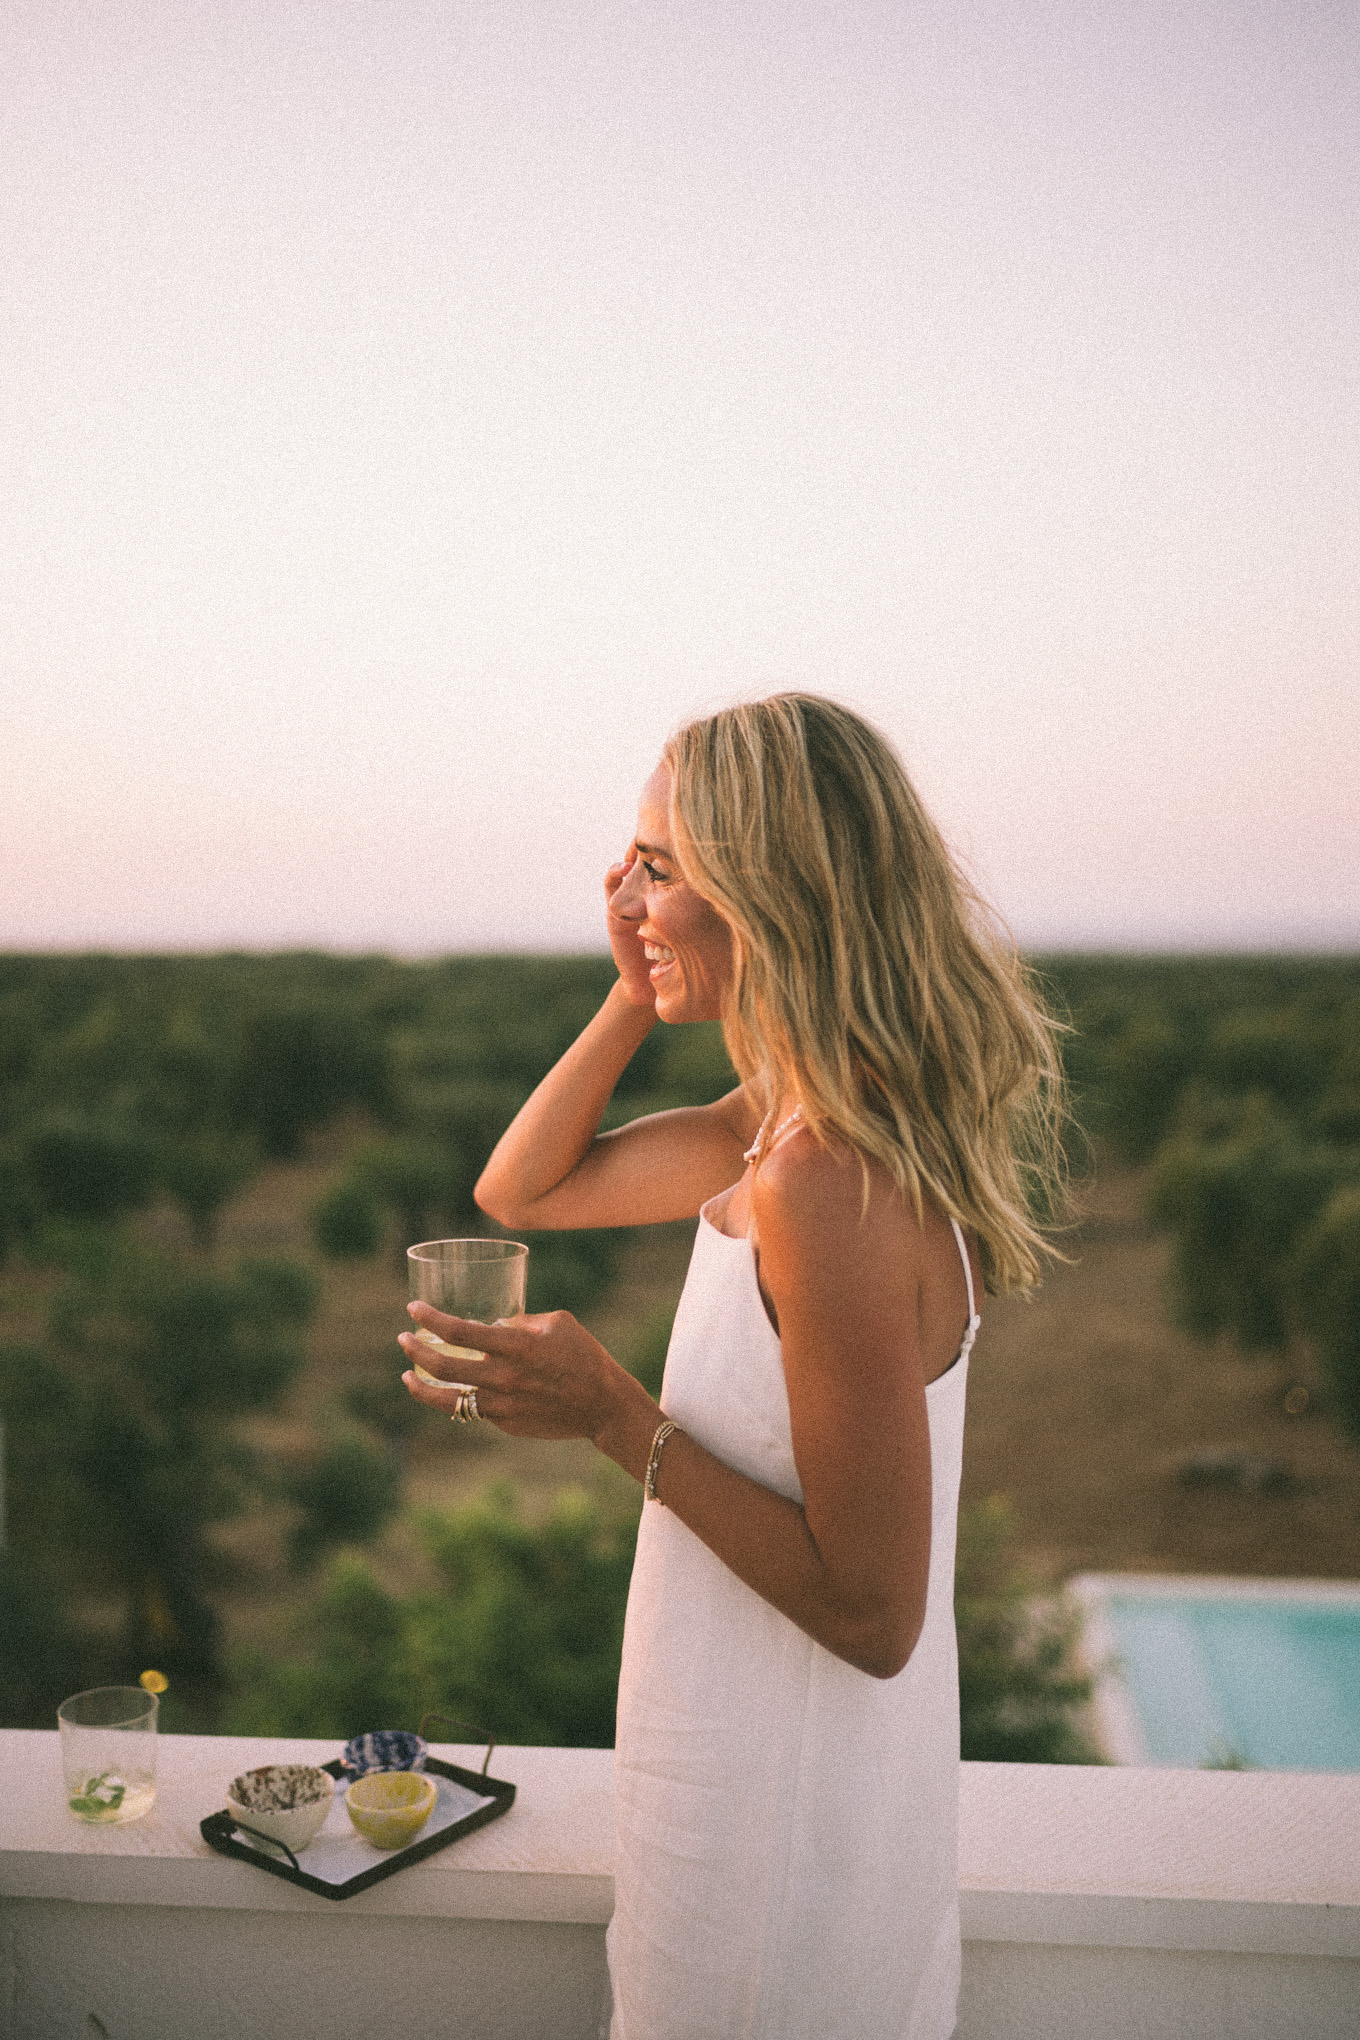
(870, 980)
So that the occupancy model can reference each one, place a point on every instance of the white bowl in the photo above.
(294, 1826)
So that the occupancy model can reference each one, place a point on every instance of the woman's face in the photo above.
(687, 942)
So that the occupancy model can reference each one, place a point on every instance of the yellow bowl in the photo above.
(389, 1808)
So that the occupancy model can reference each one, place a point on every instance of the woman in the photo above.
(787, 1757)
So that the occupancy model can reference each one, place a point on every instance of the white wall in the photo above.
(1097, 1905)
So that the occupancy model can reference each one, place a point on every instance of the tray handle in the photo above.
(272, 1840)
(452, 1721)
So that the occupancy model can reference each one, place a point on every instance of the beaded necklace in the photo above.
(765, 1140)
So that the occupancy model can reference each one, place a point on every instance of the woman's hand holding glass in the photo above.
(540, 1377)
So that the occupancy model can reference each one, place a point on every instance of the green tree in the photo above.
(87, 1170)
(347, 1223)
(297, 1065)
(571, 1270)
(1278, 1053)
(346, 1488)
(426, 1184)
(523, 1634)
(536, 1616)
(121, 1449)
(186, 1075)
(1237, 1186)
(1138, 1079)
(203, 1174)
(358, 1673)
(1148, 1030)
(646, 1355)
(18, 1206)
(380, 1403)
(1326, 1287)
(1020, 1695)
(43, 1656)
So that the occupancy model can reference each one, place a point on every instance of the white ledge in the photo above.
(1085, 1856)
(1265, 1863)
(549, 1859)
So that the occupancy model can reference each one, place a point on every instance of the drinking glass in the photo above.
(108, 1752)
(481, 1279)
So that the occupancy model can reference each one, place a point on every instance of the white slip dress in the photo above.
(786, 1826)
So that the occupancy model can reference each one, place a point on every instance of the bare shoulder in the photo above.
(805, 1182)
(847, 1266)
(811, 1195)
(837, 1275)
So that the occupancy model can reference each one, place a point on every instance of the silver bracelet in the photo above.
(662, 1433)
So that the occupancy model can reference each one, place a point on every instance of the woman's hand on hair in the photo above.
(538, 1377)
(624, 941)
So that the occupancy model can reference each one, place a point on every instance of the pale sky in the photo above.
(409, 412)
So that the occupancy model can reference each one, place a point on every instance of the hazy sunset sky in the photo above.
(409, 412)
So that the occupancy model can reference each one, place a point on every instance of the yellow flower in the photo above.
(155, 1682)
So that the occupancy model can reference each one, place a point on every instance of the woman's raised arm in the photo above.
(553, 1168)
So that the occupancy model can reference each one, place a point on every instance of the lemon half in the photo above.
(389, 1808)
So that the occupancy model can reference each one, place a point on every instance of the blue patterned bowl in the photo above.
(383, 1749)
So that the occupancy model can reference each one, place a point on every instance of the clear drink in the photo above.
(109, 1796)
(441, 1346)
(108, 1753)
(481, 1279)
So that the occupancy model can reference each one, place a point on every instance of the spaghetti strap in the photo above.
(974, 1321)
(967, 1265)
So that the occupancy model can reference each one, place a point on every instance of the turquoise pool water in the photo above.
(1274, 1682)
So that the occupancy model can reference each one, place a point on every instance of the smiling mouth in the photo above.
(658, 956)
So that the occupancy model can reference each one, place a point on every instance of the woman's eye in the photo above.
(657, 877)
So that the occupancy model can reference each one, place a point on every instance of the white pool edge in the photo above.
(1115, 1721)
(1115, 1724)
(1215, 1587)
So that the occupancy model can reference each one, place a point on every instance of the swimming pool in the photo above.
(1191, 1672)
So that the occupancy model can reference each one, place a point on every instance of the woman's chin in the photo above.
(675, 1005)
(668, 988)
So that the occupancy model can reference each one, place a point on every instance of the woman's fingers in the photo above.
(615, 876)
(504, 1340)
(447, 1400)
(538, 1377)
(623, 913)
(444, 1365)
(434, 1395)
(617, 873)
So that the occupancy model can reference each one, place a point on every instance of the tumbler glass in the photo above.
(108, 1752)
(481, 1279)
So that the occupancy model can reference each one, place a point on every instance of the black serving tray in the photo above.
(467, 1801)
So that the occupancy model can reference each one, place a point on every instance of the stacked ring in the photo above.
(465, 1410)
